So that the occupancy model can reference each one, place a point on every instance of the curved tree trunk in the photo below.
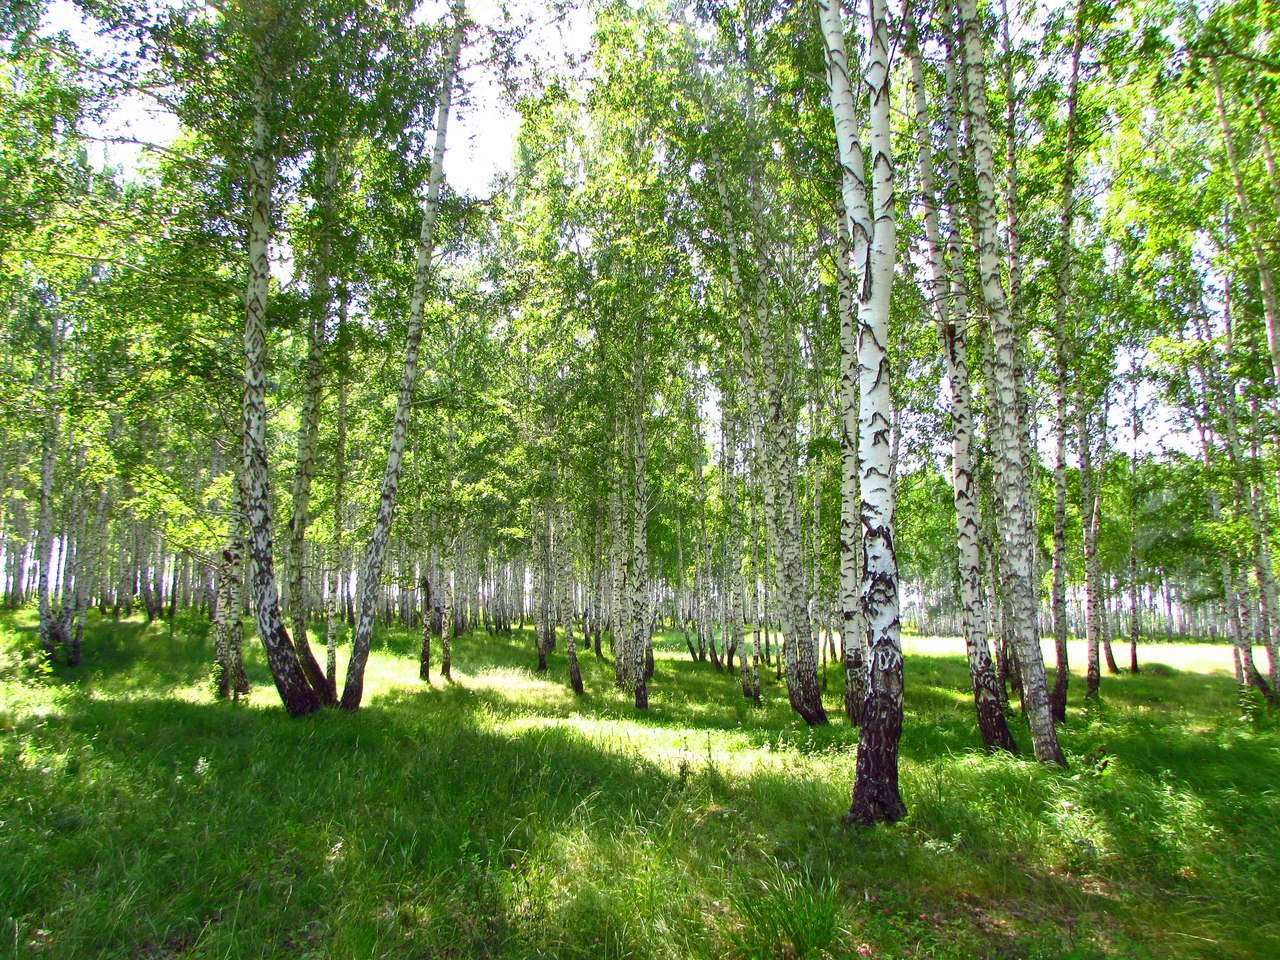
(296, 694)
(308, 437)
(371, 574)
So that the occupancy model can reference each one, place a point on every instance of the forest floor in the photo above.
(501, 816)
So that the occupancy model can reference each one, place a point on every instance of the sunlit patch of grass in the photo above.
(502, 816)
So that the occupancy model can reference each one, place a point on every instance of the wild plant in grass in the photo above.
(789, 914)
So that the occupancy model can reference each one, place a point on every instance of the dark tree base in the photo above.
(876, 797)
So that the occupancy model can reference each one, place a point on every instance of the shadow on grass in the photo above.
(221, 825)
(502, 815)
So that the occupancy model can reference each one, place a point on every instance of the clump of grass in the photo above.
(787, 913)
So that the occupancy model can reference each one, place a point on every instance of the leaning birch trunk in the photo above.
(296, 694)
(1262, 261)
(870, 220)
(353, 692)
(308, 436)
(1012, 493)
(950, 308)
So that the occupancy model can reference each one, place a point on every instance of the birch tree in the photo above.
(372, 569)
(869, 209)
(1010, 470)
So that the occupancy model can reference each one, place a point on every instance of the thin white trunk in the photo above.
(1266, 279)
(353, 692)
(950, 306)
(1011, 481)
(295, 692)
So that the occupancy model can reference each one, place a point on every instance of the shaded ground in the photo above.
(501, 816)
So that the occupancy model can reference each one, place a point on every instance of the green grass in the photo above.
(500, 816)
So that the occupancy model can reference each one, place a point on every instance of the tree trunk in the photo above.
(869, 213)
(950, 308)
(853, 624)
(638, 573)
(1266, 279)
(1010, 472)
(1064, 285)
(1089, 515)
(353, 692)
(308, 435)
(777, 466)
(566, 601)
(84, 584)
(295, 692)
(1058, 697)
(48, 459)
(336, 574)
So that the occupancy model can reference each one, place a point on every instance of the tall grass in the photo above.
(500, 816)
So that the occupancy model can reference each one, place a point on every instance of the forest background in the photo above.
(781, 329)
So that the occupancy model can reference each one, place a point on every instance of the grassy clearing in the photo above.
(501, 816)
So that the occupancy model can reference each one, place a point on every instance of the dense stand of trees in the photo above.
(768, 337)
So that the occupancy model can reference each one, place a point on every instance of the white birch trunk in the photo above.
(354, 690)
(295, 692)
(950, 307)
(870, 221)
(1012, 493)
